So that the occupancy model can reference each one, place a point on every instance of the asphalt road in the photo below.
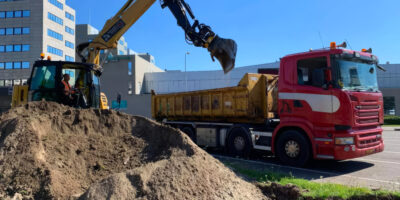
(381, 170)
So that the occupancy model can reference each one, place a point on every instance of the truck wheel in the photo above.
(238, 143)
(293, 148)
(190, 132)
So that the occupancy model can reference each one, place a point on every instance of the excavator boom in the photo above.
(200, 35)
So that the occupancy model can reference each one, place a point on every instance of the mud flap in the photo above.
(225, 52)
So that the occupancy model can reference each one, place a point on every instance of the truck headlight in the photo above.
(344, 140)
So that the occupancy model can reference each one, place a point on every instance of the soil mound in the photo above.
(50, 151)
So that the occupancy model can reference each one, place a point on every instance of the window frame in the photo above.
(310, 82)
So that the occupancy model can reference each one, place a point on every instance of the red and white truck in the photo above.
(324, 104)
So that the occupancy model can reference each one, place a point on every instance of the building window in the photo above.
(54, 51)
(17, 47)
(1, 65)
(25, 65)
(9, 65)
(69, 16)
(69, 58)
(26, 31)
(15, 14)
(17, 65)
(55, 19)
(1, 83)
(69, 30)
(17, 82)
(18, 13)
(9, 48)
(9, 31)
(26, 47)
(14, 31)
(26, 13)
(8, 83)
(54, 34)
(57, 4)
(10, 14)
(129, 68)
(69, 44)
(17, 31)
(14, 48)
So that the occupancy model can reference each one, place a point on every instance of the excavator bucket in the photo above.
(225, 51)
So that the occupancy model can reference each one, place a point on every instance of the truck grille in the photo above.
(367, 114)
(368, 140)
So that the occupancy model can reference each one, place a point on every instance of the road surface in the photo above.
(381, 170)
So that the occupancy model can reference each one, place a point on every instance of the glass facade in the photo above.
(15, 31)
(69, 58)
(56, 19)
(15, 14)
(14, 65)
(69, 30)
(54, 51)
(57, 4)
(69, 16)
(69, 44)
(54, 34)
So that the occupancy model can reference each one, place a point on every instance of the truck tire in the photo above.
(293, 148)
(190, 132)
(239, 143)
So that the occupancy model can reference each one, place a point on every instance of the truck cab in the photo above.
(331, 98)
(45, 83)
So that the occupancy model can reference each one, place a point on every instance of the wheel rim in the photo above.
(292, 149)
(239, 143)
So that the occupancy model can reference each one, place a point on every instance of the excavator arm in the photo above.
(200, 35)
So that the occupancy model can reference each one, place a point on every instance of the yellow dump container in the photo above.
(253, 101)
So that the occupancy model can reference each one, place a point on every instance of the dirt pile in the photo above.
(50, 151)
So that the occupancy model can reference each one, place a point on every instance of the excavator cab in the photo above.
(47, 82)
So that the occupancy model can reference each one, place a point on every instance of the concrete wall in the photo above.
(389, 78)
(177, 81)
(116, 79)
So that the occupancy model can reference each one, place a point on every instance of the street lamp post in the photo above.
(187, 53)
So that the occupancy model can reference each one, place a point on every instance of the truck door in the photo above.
(310, 101)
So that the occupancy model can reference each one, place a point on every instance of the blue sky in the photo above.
(265, 30)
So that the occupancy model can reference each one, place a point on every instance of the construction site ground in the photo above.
(381, 170)
(51, 151)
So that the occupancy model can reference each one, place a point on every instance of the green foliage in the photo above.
(392, 120)
(309, 188)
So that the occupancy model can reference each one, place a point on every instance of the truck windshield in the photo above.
(355, 75)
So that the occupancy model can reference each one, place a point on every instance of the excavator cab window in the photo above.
(80, 84)
(43, 83)
(95, 97)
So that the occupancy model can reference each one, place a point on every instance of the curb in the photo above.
(391, 128)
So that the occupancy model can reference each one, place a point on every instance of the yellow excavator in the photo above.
(46, 80)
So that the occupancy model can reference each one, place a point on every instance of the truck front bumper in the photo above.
(366, 142)
(344, 152)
